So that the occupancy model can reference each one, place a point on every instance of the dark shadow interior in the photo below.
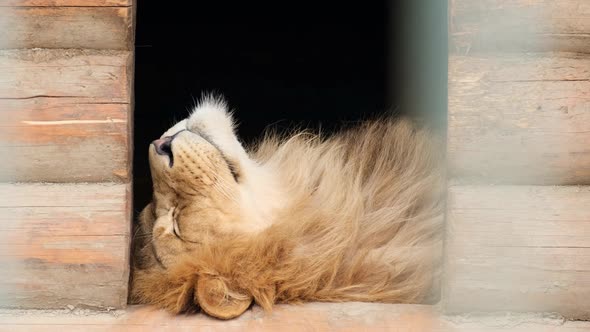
(310, 64)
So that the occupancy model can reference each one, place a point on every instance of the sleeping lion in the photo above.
(353, 217)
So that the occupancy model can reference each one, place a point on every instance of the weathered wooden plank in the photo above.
(93, 74)
(516, 25)
(66, 116)
(342, 317)
(64, 140)
(65, 3)
(518, 248)
(64, 244)
(66, 27)
(520, 119)
(345, 317)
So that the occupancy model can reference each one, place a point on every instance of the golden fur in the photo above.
(353, 217)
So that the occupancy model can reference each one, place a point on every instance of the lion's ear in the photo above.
(218, 300)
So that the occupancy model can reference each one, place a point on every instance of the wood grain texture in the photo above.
(92, 74)
(66, 116)
(66, 27)
(66, 3)
(518, 248)
(517, 25)
(341, 317)
(519, 119)
(64, 244)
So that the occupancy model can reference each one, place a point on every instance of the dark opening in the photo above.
(311, 64)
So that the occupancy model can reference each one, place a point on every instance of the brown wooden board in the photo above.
(64, 244)
(92, 74)
(517, 25)
(342, 317)
(66, 116)
(518, 248)
(66, 27)
(519, 119)
(66, 3)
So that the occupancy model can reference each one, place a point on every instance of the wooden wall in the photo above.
(518, 235)
(66, 96)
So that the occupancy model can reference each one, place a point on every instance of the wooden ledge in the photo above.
(306, 317)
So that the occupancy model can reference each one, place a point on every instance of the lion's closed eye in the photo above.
(176, 229)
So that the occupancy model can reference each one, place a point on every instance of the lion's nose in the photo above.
(164, 146)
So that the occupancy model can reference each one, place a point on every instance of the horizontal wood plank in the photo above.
(64, 244)
(64, 139)
(345, 317)
(66, 27)
(518, 248)
(520, 119)
(517, 25)
(93, 74)
(69, 121)
(65, 3)
(342, 317)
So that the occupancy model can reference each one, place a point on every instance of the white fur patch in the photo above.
(212, 118)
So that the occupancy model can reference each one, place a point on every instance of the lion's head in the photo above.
(201, 193)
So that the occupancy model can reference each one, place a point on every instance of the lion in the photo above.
(355, 216)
